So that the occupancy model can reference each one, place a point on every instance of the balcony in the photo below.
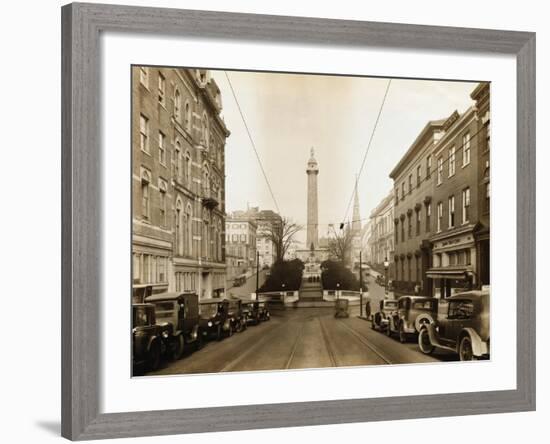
(209, 198)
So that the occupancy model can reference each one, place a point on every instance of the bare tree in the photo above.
(282, 235)
(340, 246)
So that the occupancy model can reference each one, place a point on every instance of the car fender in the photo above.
(479, 347)
(421, 319)
(152, 340)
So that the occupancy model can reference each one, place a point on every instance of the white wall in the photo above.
(30, 222)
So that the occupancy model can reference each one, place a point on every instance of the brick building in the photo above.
(460, 241)
(178, 181)
(240, 245)
(413, 210)
(382, 235)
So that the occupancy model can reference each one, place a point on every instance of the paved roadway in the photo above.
(303, 338)
(248, 287)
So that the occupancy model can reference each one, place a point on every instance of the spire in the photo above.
(356, 219)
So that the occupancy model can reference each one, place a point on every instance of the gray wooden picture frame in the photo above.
(81, 215)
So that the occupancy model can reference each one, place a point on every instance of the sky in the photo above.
(288, 114)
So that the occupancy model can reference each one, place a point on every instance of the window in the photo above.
(418, 223)
(466, 149)
(452, 161)
(410, 183)
(145, 195)
(428, 167)
(144, 133)
(428, 217)
(144, 76)
(162, 203)
(439, 216)
(162, 88)
(188, 169)
(396, 234)
(488, 196)
(465, 205)
(460, 309)
(418, 175)
(409, 226)
(235, 238)
(403, 191)
(402, 230)
(396, 195)
(161, 269)
(451, 212)
(187, 116)
(177, 105)
(162, 148)
(439, 170)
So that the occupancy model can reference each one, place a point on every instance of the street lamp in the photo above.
(338, 290)
(386, 265)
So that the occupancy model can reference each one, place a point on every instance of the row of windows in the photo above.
(149, 269)
(451, 211)
(409, 269)
(239, 238)
(451, 159)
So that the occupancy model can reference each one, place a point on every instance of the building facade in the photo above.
(240, 245)
(413, 211)
(178, 181)
(382, 236)
(460, 241)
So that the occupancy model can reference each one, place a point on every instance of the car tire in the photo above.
(230, 331)
(219, 335)
(388, 330)
(179, 347)
(198, 342)
(153, 358)
(424, 343)
(465, 349)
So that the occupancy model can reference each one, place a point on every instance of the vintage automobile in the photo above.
(380, 280)
(380, 319)
(412, 313)
(254, 312)
(236, 314)
(341, 308)
(213, 319)
(147, 344)
(179, 311)
(239, 280)
(263, 311)
(464, 329)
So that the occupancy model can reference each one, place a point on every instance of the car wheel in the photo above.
(179, 345)
(219, 335)
(388, 330)
(198, 342)
(230, 331)
(402, 334)
(465, 349)
(153, 360)
(424, 342)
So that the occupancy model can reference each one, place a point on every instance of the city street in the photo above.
(302, 338)
(248, 287)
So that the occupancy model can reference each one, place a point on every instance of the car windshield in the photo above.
(164, 309)
(208, 310)
(423, 305)
(140, 317)
(390, 304)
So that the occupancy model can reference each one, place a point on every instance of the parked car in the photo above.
(263, 310)
(252, 311)
(380, 319)
(239, 280)
(465, 329)
(213, 319)
(341, 308)
(236, 314)
(412, 313)
(180, 310)
(380, 280)
(146, 338)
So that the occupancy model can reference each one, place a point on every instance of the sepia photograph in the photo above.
(285, 221)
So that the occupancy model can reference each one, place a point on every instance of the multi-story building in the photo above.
(178, 181)
(442, 204)
(413, 201)
(267, 222)
(460, 240)
(240, 245)
(382, 236)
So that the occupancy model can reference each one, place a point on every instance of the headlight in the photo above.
(165, 334)
(210, 323)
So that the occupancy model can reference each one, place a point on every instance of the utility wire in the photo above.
(252, 142)
(368, 148)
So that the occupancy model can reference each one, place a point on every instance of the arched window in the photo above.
(187, 167)
(145, 198)
(187, 116)
(177, 105)
(177, 230)
(177, 161)
(205, 135)
(189, 230)
(205, 180)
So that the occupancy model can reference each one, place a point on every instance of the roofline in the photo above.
(415, 145)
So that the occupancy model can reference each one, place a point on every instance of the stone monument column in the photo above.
(312, 239)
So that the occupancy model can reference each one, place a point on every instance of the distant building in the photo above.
(382, 236)
(240, 245)
(178, 181)
(266, 221)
